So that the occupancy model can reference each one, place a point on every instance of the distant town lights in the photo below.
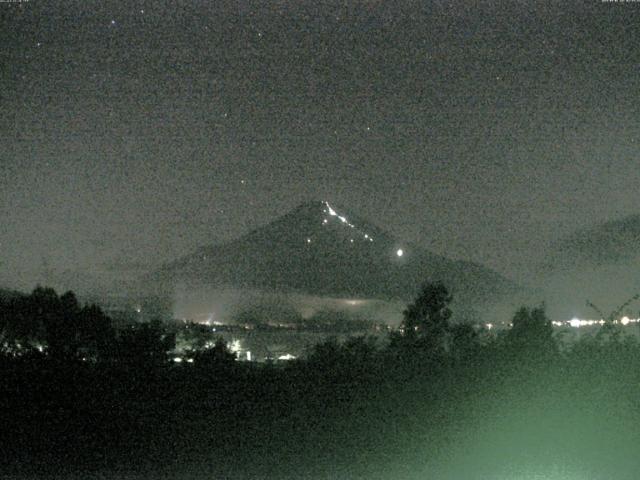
(354, 302)
(286, 357)
(235, 346)
(575, 322)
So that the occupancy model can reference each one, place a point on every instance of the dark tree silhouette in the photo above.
(43, 320)
(426, 320)
(360, 355)
(97, 337)
(21, 322)
(532, 331)
(145, 343)
(326, 357)
(61, 319)
(70, 331)
(465, 341)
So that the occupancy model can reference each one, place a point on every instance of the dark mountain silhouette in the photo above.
(599, 264)
(316, 249)
(615, 242)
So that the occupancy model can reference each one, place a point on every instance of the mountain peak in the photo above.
(319, 249)
(317, 220)
(318, 207)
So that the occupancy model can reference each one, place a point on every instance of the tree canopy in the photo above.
(426, 320)
(532, 331)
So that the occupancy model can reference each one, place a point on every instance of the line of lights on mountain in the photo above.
(333, 213)
(342, 219)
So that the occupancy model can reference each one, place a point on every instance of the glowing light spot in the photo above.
(624, 320)
(575, 322)
(177, 359)
(399, 252)
(351, 240)
(354, 302)
(235, 346)
(325, 221)
(308, 240)
(287, 356)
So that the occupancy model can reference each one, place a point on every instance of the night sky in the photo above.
(133, 132)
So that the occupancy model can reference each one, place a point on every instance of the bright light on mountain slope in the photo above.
(343, 220)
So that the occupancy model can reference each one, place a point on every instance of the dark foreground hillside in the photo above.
(437, 400)
(493, 414)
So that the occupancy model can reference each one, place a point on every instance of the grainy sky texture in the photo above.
(132, 132)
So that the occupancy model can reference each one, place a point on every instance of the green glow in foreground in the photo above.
(546, 473)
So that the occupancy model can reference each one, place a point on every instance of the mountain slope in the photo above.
(600, 264)
(315, 249)
(609, 243)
